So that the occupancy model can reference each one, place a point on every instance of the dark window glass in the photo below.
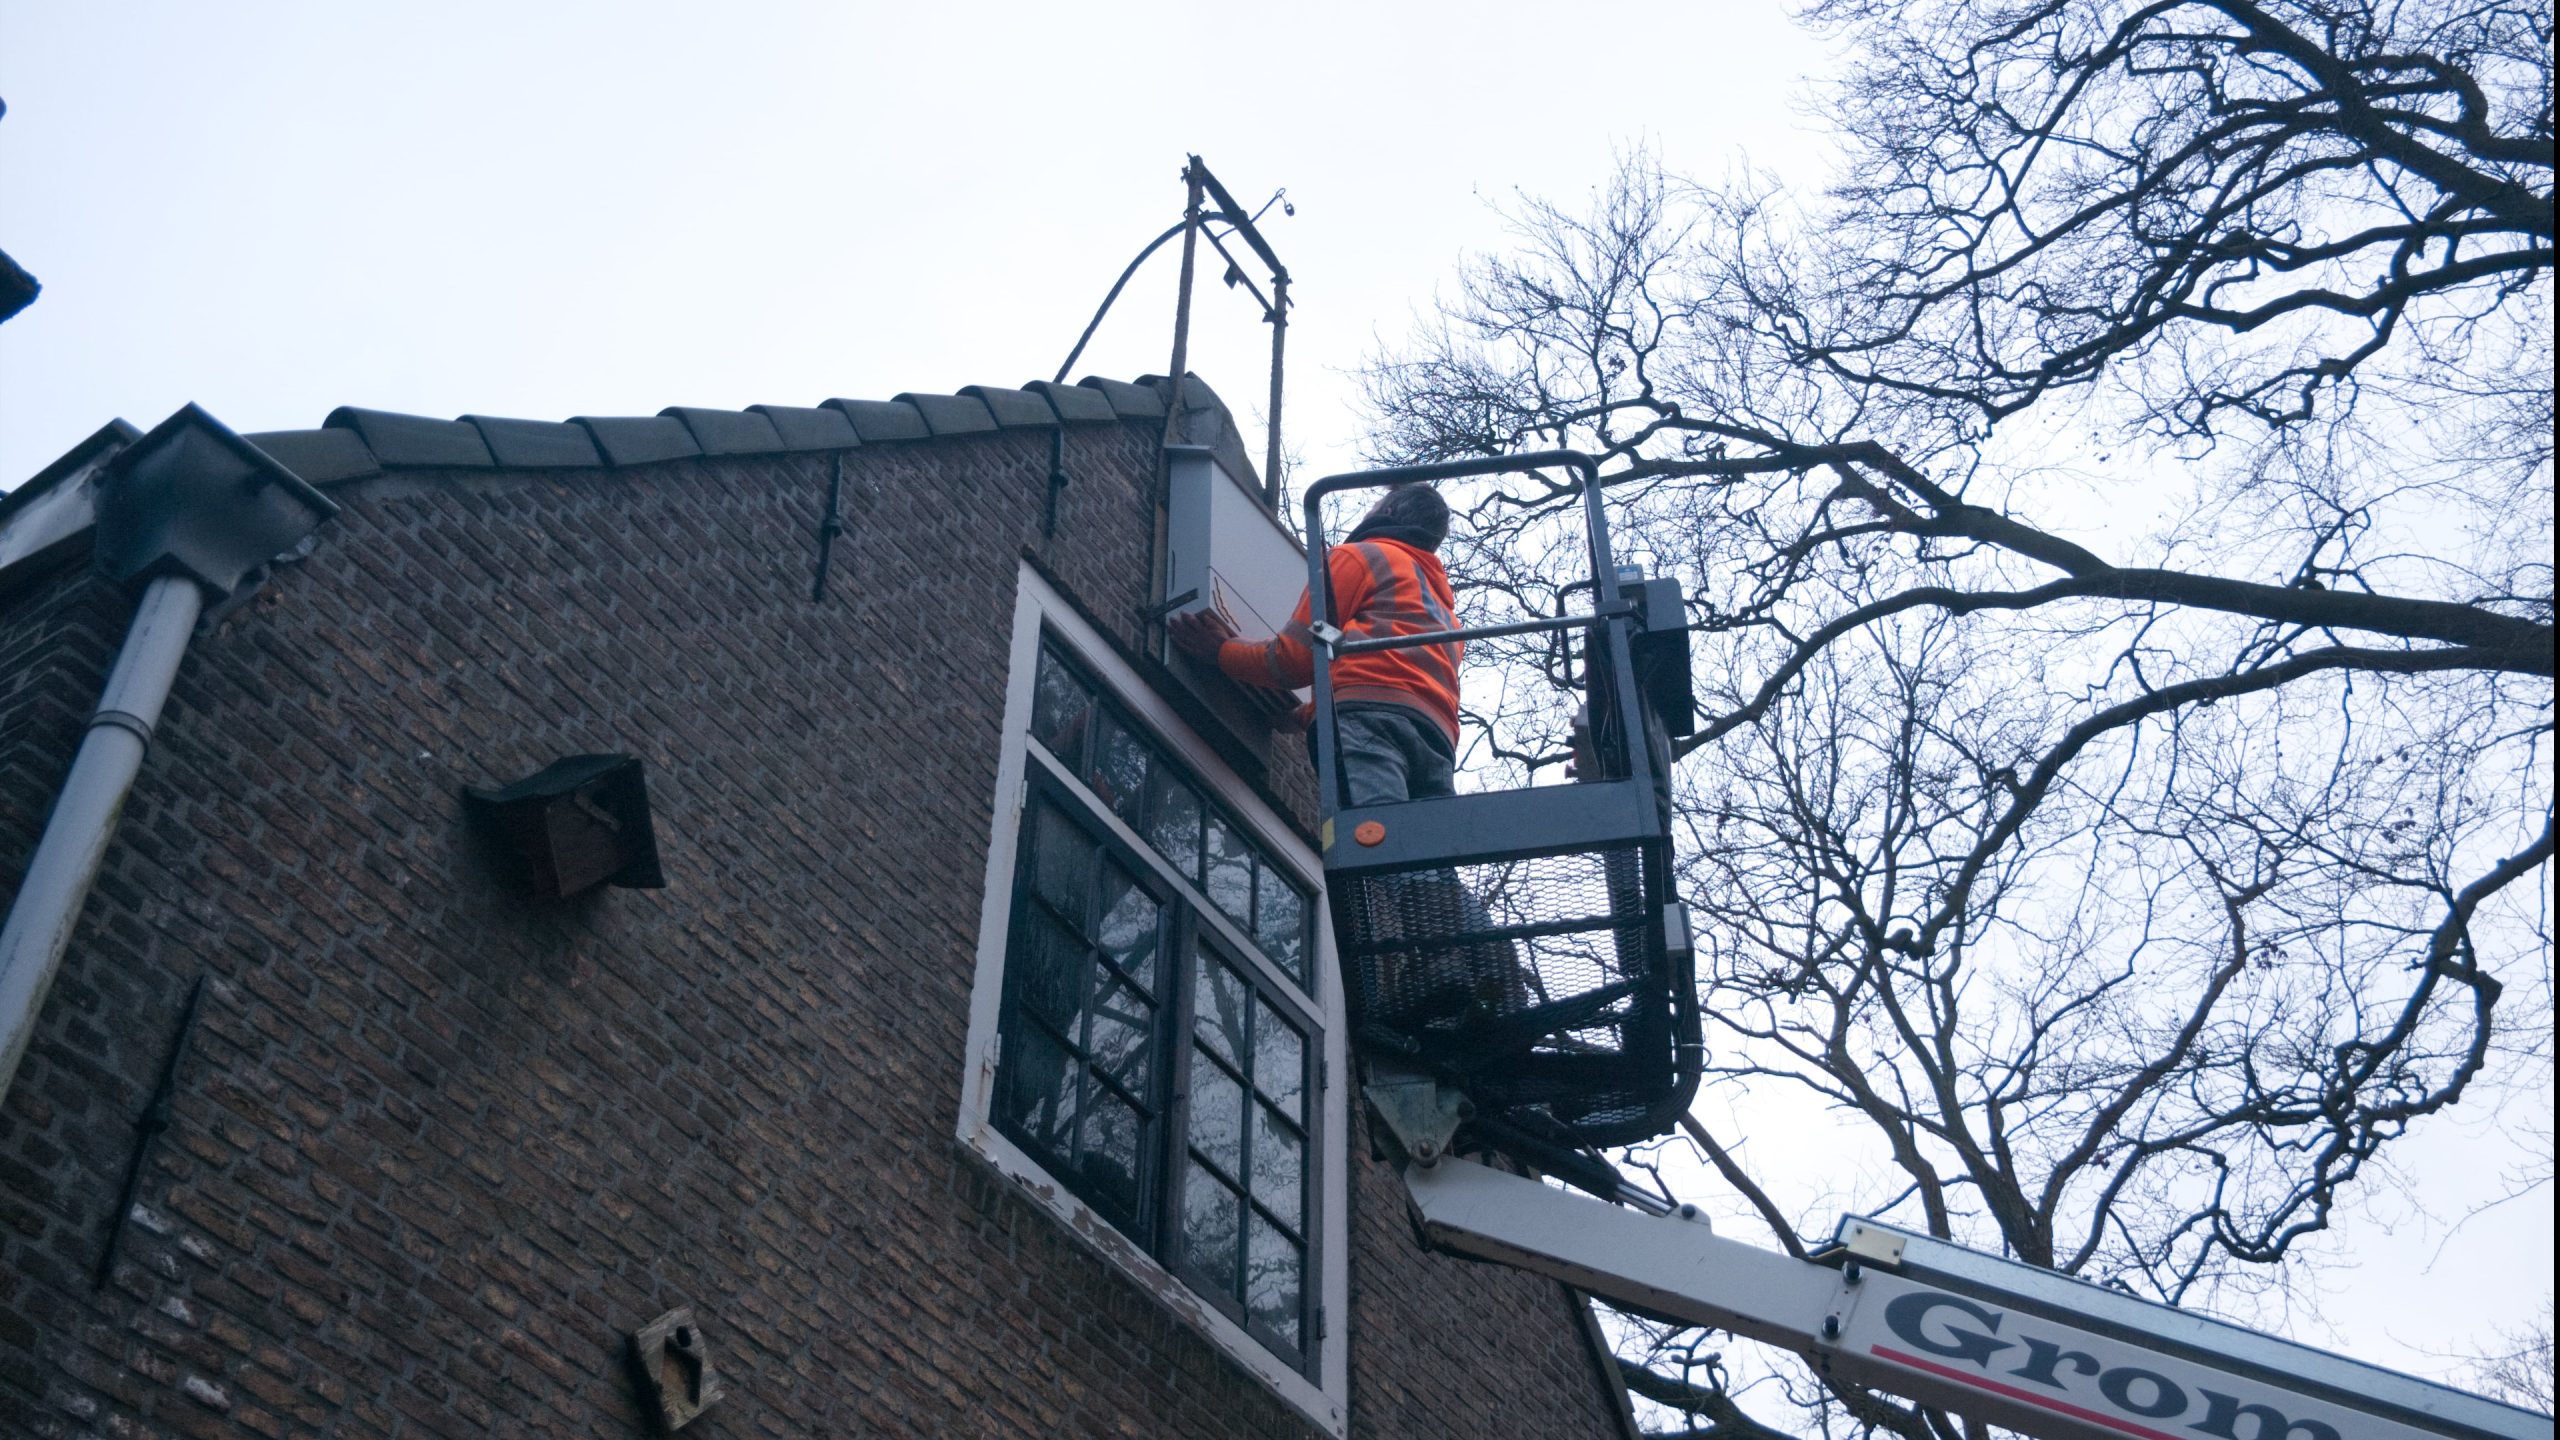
(1230, 878)
(1105, 956)
(1173, 822)
(1129, 773)
(1059, 707)
(1118, 776)
(1280, 919)
(1275, 1279)
(1082, 1032)
(1245, 1201)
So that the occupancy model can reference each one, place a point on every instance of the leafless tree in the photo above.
(2521, 1372)
(2118, 524)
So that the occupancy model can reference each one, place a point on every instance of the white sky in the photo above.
(587, 208)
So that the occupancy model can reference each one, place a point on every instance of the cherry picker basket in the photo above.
(1525, 945)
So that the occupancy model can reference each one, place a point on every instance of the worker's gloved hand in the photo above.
(1200, 633)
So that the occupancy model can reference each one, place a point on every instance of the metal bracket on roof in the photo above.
(1057, 481)
(830, 525)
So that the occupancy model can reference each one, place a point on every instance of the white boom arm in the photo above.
(2006, 1343)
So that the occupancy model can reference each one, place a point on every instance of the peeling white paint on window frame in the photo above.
(1325, 1400)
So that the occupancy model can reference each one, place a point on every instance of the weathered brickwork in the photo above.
(436, 1148)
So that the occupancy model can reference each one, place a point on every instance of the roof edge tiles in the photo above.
(803, 428)
(1129, 402)
(536, 444)
(354, 443)
(1196, 394)
(414, 441)
(878, 420)
(639, 439)
(320, 457)
(1075, 404)
(951, 414)
(729, 432)
(1013, 409)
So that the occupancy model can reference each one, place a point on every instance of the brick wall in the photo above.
(437, 1149)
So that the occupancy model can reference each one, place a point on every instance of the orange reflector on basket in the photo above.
(1369, 832)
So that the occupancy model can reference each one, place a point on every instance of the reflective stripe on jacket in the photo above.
(1379, 587)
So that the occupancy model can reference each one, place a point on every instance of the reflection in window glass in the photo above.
(1112, 1160)
(1130, 775)
(1081, 1051)
(1059, 706)
(1230, 878)
(1217, 1117)
(1173, 822)
(1132, 924)
(1122, 1036)
(1218, 1003)
(1275, 1277)
(1280, 920)
(1050, 972)
(1040, 1089)
(1278, 1165)
(1062, 863)
(1119, 774)
(1106, 950)
(1248, 1092)
(1280, 1065)
(1212, 1216)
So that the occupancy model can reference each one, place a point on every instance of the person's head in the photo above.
(1412, 507)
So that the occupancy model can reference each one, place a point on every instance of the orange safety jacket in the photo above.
(1378, 587)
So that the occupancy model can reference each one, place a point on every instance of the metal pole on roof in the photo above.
(1175, 433)
(1279, 341)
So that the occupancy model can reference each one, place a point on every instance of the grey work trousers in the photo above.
(1390, 753)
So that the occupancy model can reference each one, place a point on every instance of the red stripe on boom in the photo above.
(2079, 1412)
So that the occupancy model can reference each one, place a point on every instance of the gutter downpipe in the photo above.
(67, 859)
(191, 510)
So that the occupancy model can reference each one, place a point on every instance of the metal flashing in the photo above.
(728, 432)
(191, 498)
(639, 439)
(106, 439)
(1196, 394)
(536, 444)
(802, 428)
(951, 414)
(878, 420)
(1013, 409)
(1129, 402)
(321, 457)
(1075, 404)
(414, 441)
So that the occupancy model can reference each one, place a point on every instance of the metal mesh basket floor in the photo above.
(1535, 984)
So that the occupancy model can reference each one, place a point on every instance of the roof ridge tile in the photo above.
(729, 432)
(414, 441)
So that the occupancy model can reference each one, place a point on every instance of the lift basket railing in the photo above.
(1522, 945)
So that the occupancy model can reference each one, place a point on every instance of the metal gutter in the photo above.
(188, 512)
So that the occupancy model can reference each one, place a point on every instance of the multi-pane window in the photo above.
(1129, 773)
(1150, 1058)
(1150, 1054)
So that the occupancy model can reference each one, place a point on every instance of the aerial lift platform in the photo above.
(1521, 984)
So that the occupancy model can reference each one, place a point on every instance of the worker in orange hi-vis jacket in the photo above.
(1395, 711)
(1396, 738)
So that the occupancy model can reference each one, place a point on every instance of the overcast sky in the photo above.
(551, 209)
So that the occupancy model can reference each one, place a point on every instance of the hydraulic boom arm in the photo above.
(1991, 1339)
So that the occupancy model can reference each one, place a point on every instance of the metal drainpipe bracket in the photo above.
(1420, 1116)
(191, 498)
